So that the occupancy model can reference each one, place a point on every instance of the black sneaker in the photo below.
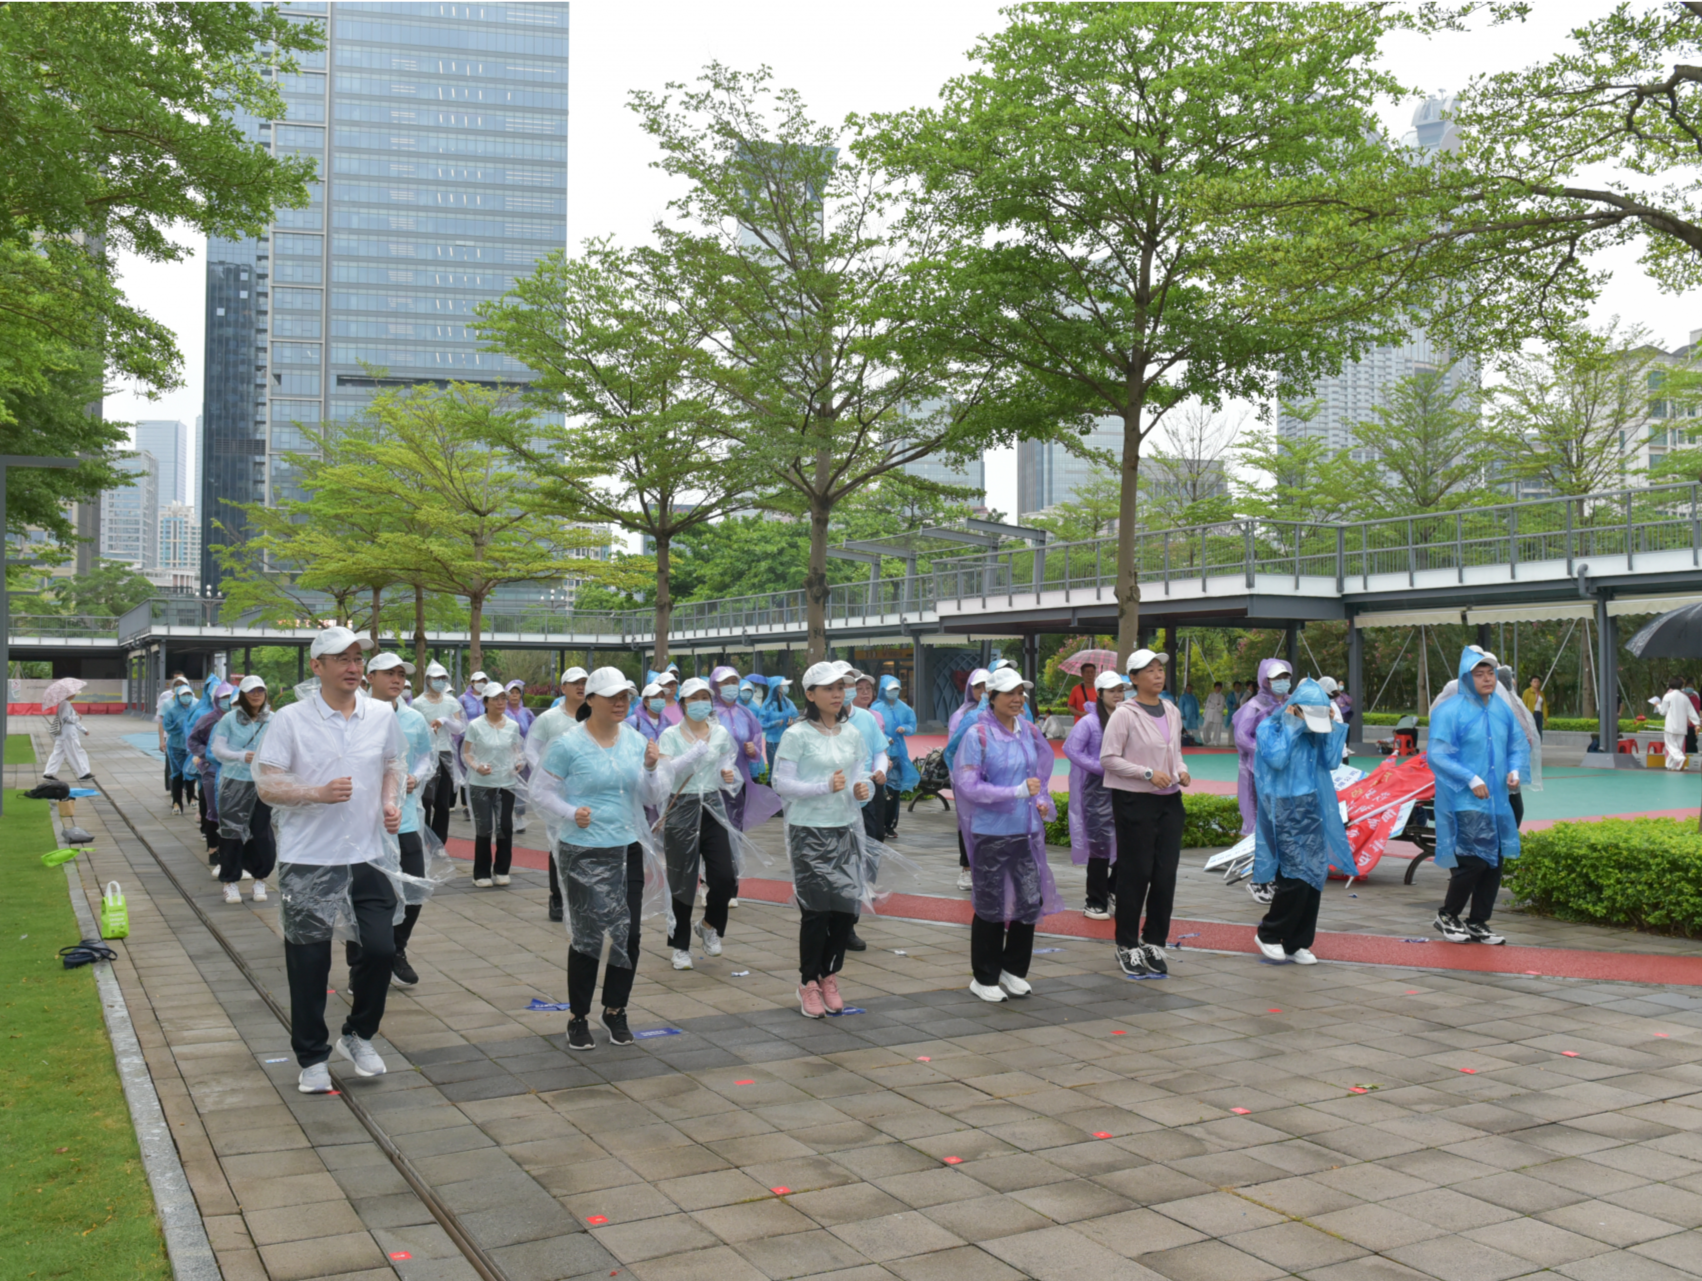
(1451, 928)
(555, 909)
(1133, 962)
(1154, 957)
(855, 944)
(1483, 934)
(619, 1034)
(579, 1035)
(401, 973)
(1097, 911)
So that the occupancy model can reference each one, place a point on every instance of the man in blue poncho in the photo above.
(1297, 832)
(1476, 751)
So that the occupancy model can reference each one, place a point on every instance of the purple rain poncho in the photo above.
(1092, 834)
(753, 803)
(1003, 830)
(1248, 717)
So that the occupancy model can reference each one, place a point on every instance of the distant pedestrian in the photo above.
(1679, 717)
(1535, 703)
(493, 753)
(246, 843)
(388, 676)
(1093, 836)
(447, 720)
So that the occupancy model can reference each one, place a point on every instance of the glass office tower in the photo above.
(440, 136)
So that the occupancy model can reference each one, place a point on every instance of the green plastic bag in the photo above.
(53, 858)
(114, 914)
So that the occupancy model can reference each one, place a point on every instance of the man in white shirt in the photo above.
(332, 767)
(1678, 714)
(447, 720)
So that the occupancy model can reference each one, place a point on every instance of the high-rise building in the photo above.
(130, 514)
(167, 439)
(1047, 474)
(440, 136)
(180, 538)
(972, 475)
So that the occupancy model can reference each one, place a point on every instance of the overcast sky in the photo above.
(879, 55)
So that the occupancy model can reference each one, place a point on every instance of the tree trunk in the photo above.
(377, 602)
(1423, 689)
(419, 630)
(1128, 576)
(664, 600)
(475, 621)
(1587, 679)
(815, 580)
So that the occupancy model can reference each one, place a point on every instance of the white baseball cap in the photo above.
(1143, 658)
(976, 677)
(384, 662)
(824, 673)
(653, 690)
(607, 681)
(573, 674)
(669, 677)
(492, 689)
(1318, 719)
(696, 685)
(250, 682)
(435, 668)
(334, 640)
(1108, 680)
(1328, 684)
(1006, 679)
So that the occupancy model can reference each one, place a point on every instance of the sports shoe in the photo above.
(401, 973)
(214, 871)
(995, 994)
(1483, 934)
(483, 882)
(682, 958)
(1451, 928)
(810, 1001)
(1132, 960)
(501, 880)
(233, 892)
(361, 1054)
(615, 1022)
(1157, 960)
(855, 944)
(1012, 984)
(247, 875)
(711, 939)
(732, 902)
(1263, 892)
(75, 835)
(315, 1080)
(259, 891)
(579, 1035)
(831, 1000)
(176, 809)
(1270, 951)
(519, 825)
(1301, 956)
(50, 778)
(555, 909)
(85, 778)
(1097, 911)
(964, 880)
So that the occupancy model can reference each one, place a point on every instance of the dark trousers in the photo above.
(1293, 916)
(204, 801)
(1517, 801)
(555, 885)
(257, 856)
(821, 943)
(413, 863)
(1538, 717)
(617, 981)
(493, 815)
(891, 796)
(874, 816)
(996, 946)
(1098, 882)
(439, 798)
(309, 968)
(1149, 850)
(962, 850)
(1475, 881)
(716, 852)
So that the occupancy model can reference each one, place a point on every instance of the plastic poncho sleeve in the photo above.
(1081, 746)
(790, 786)
(1299, 832)
(966, 717)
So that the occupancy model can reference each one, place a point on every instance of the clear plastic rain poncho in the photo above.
(1300, 833)
(233, 738)
(314, 899)
(451, 719)
(499, 746)
(1530, 778)
(1474, 736)
(422, 765)
(1245, 723)
(833, 865)
(753, 803)
(967, 714)
(1004, 828)
(576, 772)
(1092, 831)
(704, 791)
(549, 726)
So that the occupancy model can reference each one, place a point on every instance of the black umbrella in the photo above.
(1675, 634)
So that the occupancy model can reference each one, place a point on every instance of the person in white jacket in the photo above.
(1680, 714)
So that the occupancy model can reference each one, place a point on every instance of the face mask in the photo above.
(746, 695)
(1279, 687)
(186, 698)
(439, 685)
(224, 704)
(699, 711)
(656, 705)
(891, 695)
(729, 694)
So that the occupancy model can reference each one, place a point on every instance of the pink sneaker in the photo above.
(830, 997)
(809, 1000)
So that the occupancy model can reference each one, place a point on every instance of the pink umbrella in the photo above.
(63, 688)
(1100, 658)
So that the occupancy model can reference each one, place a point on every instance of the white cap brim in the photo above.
(607, 682)
(384, 662)
(696, 685)
(1317, 718)
(336, 640)
(573, 674)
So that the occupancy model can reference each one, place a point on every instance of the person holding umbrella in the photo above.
(68, 732)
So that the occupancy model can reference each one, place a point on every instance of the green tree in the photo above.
(647, 439)
(1422, 451)
(1291, 477)
(1089, 512)
(110, 590)
(1186, 482)
(1151, 204)
(48, 414)
(785, 245)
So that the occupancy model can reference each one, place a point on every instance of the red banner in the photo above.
(1379, 801)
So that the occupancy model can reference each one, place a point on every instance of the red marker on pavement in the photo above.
(597, 1220)
(1102, 1134)
(401, 1254)
(1242, 1111)
(954, 1160)
(781, 1191)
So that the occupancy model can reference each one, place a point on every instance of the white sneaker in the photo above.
(1271, 951)
(519, 825)
(682, 959)
(361, 1054)
(1303, 957)
(501, 880)
(247, 875)
(214, 869)
(711, 939)
(315, 1080)
(1015, 986)
(964, 882)
(259, 891)
(233, 892)
(994, 994)
(483, 883)
(732, 902)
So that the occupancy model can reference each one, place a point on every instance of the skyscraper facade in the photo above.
(440, 136)
(130, 514)
(168, 440)
(1047, 474)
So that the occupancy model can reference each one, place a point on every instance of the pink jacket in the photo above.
(1136, 741)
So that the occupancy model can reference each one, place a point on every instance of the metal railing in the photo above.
(62, 626)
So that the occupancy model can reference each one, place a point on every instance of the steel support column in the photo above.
(1356, 687)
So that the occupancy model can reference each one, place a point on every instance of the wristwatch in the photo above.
(1149, 776)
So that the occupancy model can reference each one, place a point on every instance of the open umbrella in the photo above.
(1675, 634)
(1100, 658)
(63, 688)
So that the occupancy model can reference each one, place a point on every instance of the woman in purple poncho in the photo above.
(1093, 838)
(1275, 680)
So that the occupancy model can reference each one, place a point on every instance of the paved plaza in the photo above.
(1236, 1121)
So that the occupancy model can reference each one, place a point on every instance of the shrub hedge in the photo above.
(1210, 821)
(1576, 724)
(1645, 873)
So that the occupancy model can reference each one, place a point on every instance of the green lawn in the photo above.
(18, 750)
(74, 1201)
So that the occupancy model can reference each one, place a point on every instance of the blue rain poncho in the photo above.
(421, 761)
(1190, 706)
(966, 715)
(900, 722)
(1004, 828)
(1474, 736)
(177, 720)
(1299, 832)
(777, 713)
